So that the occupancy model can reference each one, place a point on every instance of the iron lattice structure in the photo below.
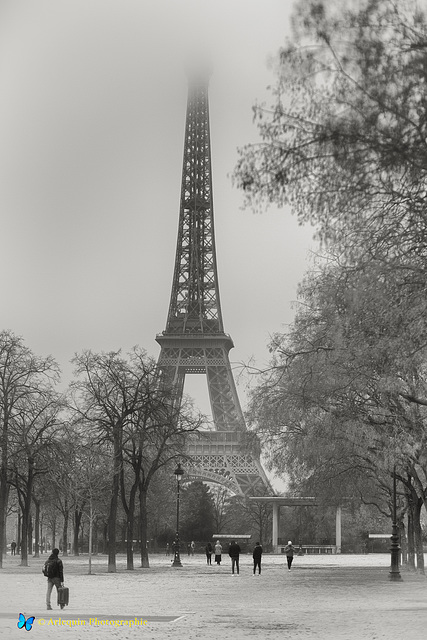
(194, 340)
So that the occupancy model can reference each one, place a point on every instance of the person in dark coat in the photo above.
(55, 577)
(208, 550)
(234, 553)
(13, 548)
(256, 555)
(289, 550)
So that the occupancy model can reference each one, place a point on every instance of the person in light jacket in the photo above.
(218, 552)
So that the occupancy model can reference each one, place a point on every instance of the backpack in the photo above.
(49, 569)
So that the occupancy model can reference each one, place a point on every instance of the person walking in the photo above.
(193, 547)
(218, 552)
(256, 555)
(289, 550)
(13, 548)
(208, 550)
(234, 553)
(54, 571)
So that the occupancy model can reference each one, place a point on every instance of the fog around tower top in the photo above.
(198, 63)
(92, 121)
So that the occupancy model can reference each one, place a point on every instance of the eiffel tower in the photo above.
(194, 341)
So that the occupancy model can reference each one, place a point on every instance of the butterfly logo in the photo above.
(28, 624)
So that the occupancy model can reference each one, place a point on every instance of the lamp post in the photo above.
(394, 573)
(300, 553)
(179, 472)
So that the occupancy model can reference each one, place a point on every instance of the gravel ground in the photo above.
(323, 597)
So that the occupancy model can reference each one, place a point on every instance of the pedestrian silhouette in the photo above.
(289, 550)
(234, 553)
(256, 555)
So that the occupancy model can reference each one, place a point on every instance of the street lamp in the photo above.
(300, 553)
(394, 573)
(179, 472)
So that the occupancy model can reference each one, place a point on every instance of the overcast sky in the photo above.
(92, 116)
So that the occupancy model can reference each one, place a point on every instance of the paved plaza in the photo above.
(324, 597)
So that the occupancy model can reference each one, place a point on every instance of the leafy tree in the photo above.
(249, 517)
(221, 501)
(197, 512)
(344, 144)
(344, 141)
(161, 507)
(333, 408)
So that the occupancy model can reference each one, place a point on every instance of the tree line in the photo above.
(93, 449)
(101, 455)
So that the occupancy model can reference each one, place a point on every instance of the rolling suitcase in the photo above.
(63, 596)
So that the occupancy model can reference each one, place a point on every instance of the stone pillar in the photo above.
(338, 529)
(276, 521)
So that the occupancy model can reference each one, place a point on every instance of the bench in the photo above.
(308, 549)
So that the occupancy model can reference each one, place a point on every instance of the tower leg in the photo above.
(338, 529)
(275, 534)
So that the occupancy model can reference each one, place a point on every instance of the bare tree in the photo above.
(136, 419)
(24, 378)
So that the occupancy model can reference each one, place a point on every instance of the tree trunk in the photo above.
(90, 535)
(53, 524)
(95, 536)
(76, 524)
(3, 506)
(145, 564)
(403, 543)
(112, 517)
(411, 540)
(30, 534)
(130, 525)
(66, 514)
(42, 540)
(129, 543)
(37, 529)
(4, 485)
(82, 536)
(418, 503)
(25, 497)
(4, 552)
(4, 549)
(19, 540)
(105, 537)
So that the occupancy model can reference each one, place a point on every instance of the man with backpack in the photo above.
(54, 572)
